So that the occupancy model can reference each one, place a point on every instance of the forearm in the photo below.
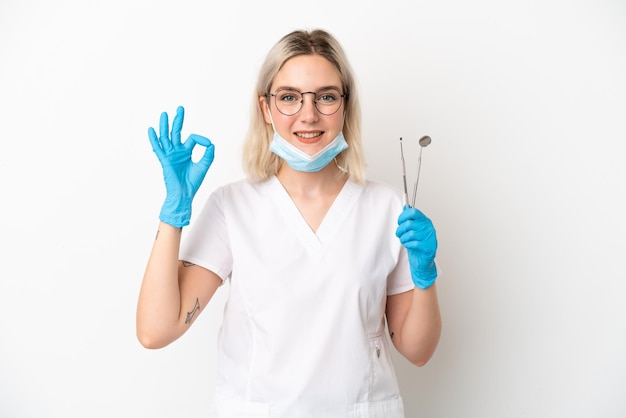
(421, 327)
(158, 308)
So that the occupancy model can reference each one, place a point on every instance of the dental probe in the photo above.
(406, 193)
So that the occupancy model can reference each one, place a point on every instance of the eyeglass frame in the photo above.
(314, 93)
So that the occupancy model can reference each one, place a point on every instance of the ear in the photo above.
(265, 109)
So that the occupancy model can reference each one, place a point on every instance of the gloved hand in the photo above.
(417, 234)
(182, 176)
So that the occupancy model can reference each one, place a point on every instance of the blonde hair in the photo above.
(259, 162)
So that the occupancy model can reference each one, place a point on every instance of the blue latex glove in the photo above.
(182, 176)
(417, 234)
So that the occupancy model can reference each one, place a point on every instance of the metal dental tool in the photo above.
(423, 142)
(406, 193)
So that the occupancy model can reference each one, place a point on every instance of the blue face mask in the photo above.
(300, 160)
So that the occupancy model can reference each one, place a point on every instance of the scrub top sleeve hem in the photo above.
(194, 260)
(400, 289)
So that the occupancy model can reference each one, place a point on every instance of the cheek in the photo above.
(282, 124)
(337, 124)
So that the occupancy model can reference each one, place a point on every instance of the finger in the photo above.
(164, 132)
(410, 238)
(410, 213)
(200, 140)
(154, 141)
(426, 244)
(177, 125)
(426, 238)
(422, 224)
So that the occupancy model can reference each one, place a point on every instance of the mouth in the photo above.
(309, 137)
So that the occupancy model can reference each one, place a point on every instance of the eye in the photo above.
(328, 96)
(288, 97)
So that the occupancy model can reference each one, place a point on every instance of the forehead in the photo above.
(307, 72)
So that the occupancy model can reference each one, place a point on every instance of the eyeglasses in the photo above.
(289, 101)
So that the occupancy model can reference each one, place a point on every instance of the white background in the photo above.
(524, 180)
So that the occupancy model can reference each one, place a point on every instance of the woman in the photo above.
(316, 257)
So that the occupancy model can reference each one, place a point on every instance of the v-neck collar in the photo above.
(332, 221)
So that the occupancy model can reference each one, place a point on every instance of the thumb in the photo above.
(207, 158)
(209, 153)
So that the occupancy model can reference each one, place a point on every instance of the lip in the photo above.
(309, 137)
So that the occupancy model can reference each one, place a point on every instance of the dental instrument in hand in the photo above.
(423, 142)
(406, 193)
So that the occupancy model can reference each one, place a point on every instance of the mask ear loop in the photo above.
(342, 169)
(269, 112)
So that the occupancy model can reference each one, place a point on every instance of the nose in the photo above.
(308, 112)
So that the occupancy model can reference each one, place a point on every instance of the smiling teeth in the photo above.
(308, 136)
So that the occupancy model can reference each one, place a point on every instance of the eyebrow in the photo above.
(290, 88)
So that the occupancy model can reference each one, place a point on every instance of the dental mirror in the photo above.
(424, 142)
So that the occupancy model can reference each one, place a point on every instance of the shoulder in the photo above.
(381, 187)
(241, 189)
(382, 191)
(241, 186)
(380, 198)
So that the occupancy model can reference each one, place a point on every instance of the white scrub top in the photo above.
(303, 333)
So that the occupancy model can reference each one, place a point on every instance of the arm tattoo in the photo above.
(192, 313)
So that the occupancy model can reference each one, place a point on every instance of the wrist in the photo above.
(176, 211)
(424, 277)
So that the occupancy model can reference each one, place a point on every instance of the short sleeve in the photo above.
(399, 280)
(206, 242)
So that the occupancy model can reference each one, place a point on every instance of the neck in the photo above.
(328, 180)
